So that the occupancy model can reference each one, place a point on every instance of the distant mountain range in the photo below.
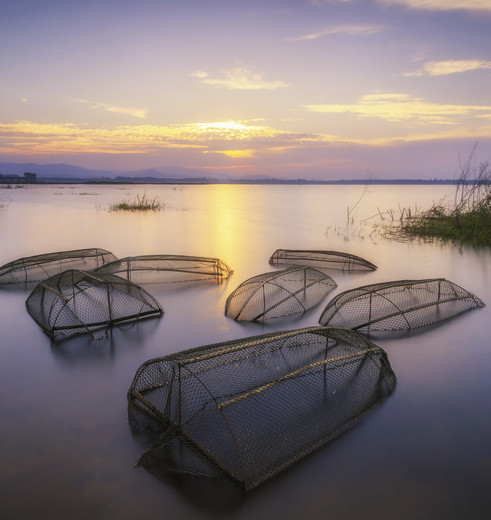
(169, 174)
(71, 173)
(68, 171)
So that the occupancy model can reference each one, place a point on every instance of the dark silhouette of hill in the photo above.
(69, 173)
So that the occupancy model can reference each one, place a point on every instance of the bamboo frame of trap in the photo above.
(36, 268)
(159, 269)
(398, 305)
(278, 293)
(335, 260)
(76, 301)
(244, 410)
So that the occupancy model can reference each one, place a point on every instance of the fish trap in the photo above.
(278, 294)
(76, 302)
(335, 260)
(167, 268)
(398, 305)
(246, 409)
(39, 267)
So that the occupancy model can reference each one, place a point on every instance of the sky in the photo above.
(312, 89)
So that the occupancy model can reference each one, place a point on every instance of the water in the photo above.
(66, 447)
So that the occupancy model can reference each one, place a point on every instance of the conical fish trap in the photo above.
(39, 267)
(246, 409)
(336, 260)
(278, 294)
(77, 302)
(398, 305)
(148, 269)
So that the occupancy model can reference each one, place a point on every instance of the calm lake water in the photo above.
(66, 447)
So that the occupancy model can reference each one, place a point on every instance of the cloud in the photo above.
(322, 2)
(238, 79)
(237, 154)
(349, 30)
(199, 74)
(396, 107)
(443, 68)
(135, 112)
(428, 5)
(26, 137)
(241, 140)
(442, 5)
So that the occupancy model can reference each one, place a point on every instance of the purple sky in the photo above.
(316, 89)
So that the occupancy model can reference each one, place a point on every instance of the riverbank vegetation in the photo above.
(141, 203)
(465, 220)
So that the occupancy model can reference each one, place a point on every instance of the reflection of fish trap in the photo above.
(39, 267)
(168, 268)
(76, 302)
(321, 259)
(398, 305)
(279, 293)
(246, 409)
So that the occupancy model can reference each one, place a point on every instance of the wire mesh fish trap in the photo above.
(246, 409)
(279, 293)
(321, 259)
(76, 302)
(398, 305)
(167, 268)
(39, 267)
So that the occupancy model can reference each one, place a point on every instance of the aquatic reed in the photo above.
(141, 203)
(466, 221)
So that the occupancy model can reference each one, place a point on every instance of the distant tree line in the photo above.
(27, 177)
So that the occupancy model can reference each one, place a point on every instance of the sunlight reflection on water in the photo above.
(64, 417)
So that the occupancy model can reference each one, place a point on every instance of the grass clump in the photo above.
(141, 203)
(466, 221)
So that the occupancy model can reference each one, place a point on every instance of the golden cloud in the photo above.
(237, 154)
(71, 138)
(240, 140)
(442, 68)
(135, 112)
(238, 79)
(395, 107)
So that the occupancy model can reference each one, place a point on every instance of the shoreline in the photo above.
(281, 182)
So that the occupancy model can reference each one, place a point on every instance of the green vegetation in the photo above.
(142, 203)
(466, 221)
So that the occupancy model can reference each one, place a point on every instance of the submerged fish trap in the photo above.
(40, 267)
(246, 409)
(77, 302)
(167, 268)
(279, 293)
(398, 305)
(321, 259)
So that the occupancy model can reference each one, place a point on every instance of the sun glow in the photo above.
(226, 223)
(411, 119)
(237, 154)
(25, 136)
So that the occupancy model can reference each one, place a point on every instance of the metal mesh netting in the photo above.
(278, 294)
(75, 302)
(246, 409)
(321, 259)
(167, 268)
(398, 305)
(39, 267)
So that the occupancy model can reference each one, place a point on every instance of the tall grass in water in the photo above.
(466, 221)
(142, 203)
